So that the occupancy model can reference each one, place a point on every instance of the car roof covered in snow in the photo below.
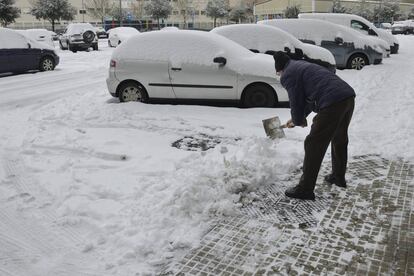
(12, 39)
(264, 38)
(128, 30)
(196, 47)
(304, 29)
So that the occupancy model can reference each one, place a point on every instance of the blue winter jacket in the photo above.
(312, 87)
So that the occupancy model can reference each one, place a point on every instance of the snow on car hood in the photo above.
(196, 47)
(304, 29)
(388, 37)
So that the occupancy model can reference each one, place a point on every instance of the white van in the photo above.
(356, 22)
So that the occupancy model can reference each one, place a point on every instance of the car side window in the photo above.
(355, 24)
(16, 40)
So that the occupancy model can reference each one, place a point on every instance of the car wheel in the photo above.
(119, 42)
(259, 95)
(357, 62)
(132, 92)
(47, 64)
(61, 46)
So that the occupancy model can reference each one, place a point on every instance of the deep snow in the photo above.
(89, 185)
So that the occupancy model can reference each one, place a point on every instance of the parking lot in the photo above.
(92, 186)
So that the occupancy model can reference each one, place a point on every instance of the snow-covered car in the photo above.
(170, 28)
(403, 27)
(39, 35)
(351, 49)
(261, 38)
(19, 53)
(192, 65)
(79, 36)
(101, 33)
(357, 23)
(120, 34)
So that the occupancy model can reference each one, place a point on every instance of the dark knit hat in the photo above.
(281, 59)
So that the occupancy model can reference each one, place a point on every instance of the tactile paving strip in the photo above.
(369, 230)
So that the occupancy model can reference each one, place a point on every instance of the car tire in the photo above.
(47, 64)
(119, 42)
(357, 62)
(259, 95)
(72, 48)
(132, 91)
(61, 46)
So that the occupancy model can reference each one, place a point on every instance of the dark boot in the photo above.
(338, 181)
(299, 193)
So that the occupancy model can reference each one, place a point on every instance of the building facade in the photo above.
(270, 9)
(133, 11)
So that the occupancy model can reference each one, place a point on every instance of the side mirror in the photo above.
(339, 40)
(220, 60)
(29, 45)
(287, 50)
(254, 50)
(298, 53)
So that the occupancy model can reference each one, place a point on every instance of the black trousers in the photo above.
(330, 125)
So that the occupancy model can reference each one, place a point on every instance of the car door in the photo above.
(198, 77)
(339, 50)
(23, 57)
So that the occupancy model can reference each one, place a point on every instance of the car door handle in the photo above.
(176, 69)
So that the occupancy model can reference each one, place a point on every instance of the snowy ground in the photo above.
(91, 186)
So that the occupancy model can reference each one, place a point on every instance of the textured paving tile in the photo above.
(366, 230)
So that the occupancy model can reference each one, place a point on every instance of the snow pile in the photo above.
(304, 29)
(264, 38)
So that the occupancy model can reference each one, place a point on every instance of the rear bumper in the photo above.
(112, 83)
(57, 59)
(82, 45)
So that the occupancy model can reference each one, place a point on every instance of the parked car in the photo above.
(403, 27)
(385, 26)
(19, 53)
(79, 36)
(351, 49)
(192, 65)
(358, 23)
(120, 34)
(101, 33)
(267, 39)
(39, 35)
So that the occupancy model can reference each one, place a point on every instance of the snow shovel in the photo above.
(273, 128)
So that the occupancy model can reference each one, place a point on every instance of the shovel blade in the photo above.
(273, 128)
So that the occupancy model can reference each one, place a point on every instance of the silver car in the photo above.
(192, 65)
(351, 49)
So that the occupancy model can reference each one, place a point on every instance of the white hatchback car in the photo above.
(266, 39)
(192, 65)
(39, 35)
(120, 34)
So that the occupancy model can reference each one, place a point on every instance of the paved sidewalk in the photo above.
(366, 230)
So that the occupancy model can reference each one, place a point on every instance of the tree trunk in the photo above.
(214, 22)
(158, 21)
(185, 21)
(53, 25)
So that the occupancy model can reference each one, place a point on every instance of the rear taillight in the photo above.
(112, 63)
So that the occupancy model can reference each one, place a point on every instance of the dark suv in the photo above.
(79, 36)
(19, 54)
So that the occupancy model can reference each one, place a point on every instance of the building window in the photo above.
(203, 12)
(176, 13)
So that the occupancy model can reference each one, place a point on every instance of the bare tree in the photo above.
(137, 9)
(158, 9)
(99, 8)
(8, 13)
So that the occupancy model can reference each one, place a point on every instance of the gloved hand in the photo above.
(290, 124)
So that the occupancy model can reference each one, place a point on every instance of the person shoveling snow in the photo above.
(312, 87)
